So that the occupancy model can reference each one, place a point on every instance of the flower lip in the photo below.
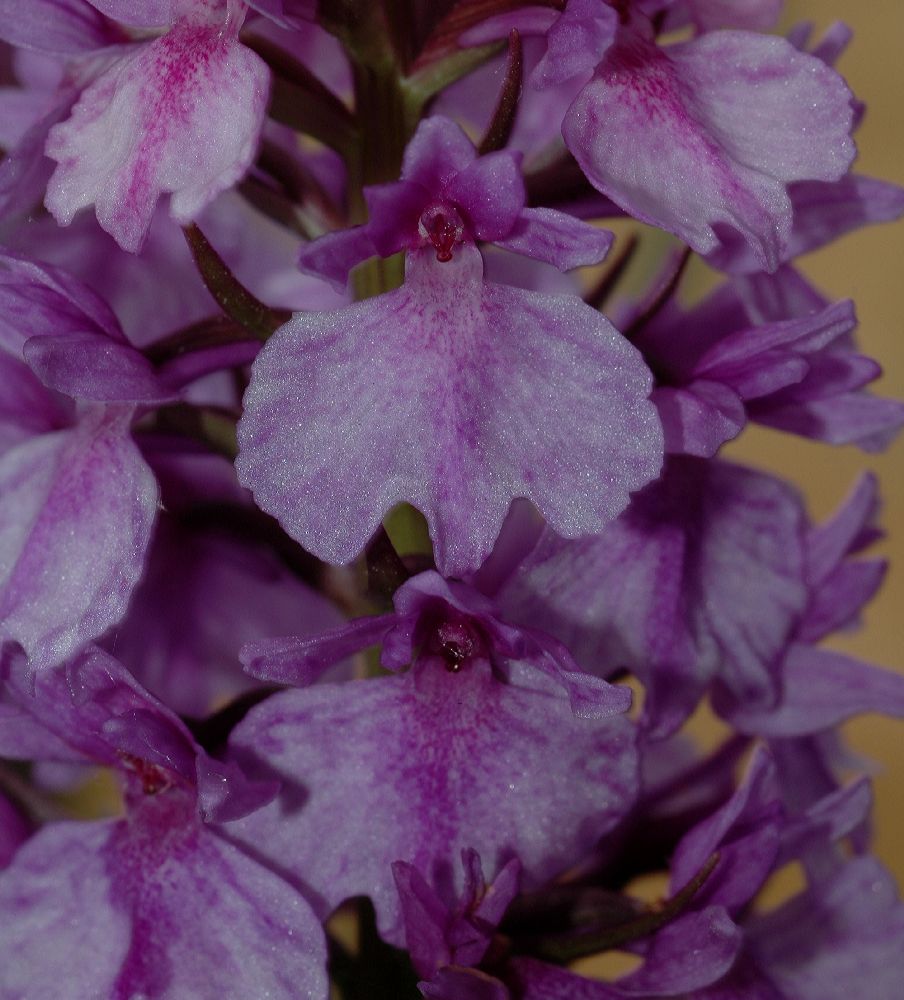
(441, 226)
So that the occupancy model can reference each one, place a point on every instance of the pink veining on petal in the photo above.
(710, 132)
(179, 115)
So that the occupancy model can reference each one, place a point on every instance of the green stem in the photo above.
(229, 293)
(570, 947)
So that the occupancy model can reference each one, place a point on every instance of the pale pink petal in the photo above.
(823, 212)
(708, 133)
(699, 418)
(179, 115)
(557, 238)
(88, 365)
(823, 689)
(77, 516)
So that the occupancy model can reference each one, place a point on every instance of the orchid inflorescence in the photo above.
(364, 554)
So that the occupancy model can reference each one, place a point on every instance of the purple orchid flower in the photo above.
(438, 937)
(79, 499)
(475, 746)
(155, 903)
(769, 350)
(656, 128)
(822, 688)
(178, 114)
(449, 379)
(699, 582)
(716, 948)
(699, 172)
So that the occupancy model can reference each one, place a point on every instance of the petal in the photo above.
(163, 910)
(64, 26)
(744, 832)
(438, 150)
(582, 32)
(333, 255)
(849, 529)
(417, 768)
(691, 952)
(491, 192)
(826, 944)
(393, 212)
(302, 660)
(425, 918)
(57, 890)
(181, 114)
(822, 213)
(25, 170)
(79, 507)
(26, 407)
(89, 365)
(763, 359)
(710, 132)
(839, 814)
(699, 418)
(557, 239)
(448, 396)
(839, 600)
(857, 418)
(821, 690)
(39, 300)
(702, 577)
(97, 712)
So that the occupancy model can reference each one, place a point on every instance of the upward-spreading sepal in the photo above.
(448, 196)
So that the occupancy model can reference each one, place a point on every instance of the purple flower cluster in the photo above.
(362, 560)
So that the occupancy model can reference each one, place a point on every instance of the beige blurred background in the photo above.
(869, 268)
